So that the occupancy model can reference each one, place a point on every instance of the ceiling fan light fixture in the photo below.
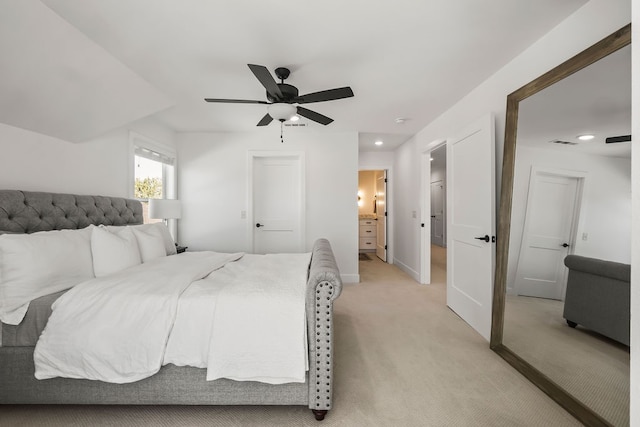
(295, 118)
(282, 111)
(586, 137)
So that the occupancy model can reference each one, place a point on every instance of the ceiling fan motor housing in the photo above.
(282, 73)
(289, 93)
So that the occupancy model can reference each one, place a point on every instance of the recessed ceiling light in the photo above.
(586, 137)
(400, 120)
(378, 142)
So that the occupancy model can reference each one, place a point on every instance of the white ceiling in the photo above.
(106, 63)
(596, 100)
(57, 82)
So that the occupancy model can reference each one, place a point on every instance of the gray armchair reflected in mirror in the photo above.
(567, 193)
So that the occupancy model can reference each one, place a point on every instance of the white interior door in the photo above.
(437, 213)
(277, 196)
(549, 229)
(381, 215)
(470, 222)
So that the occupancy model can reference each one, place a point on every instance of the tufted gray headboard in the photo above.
(28, 212)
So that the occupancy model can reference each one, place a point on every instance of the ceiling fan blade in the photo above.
(312, 115)
(265, 120)
(325, 95)
(266, 79)
(621, 138)
(236, 101)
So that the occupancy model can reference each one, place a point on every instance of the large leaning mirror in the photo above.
(561, 301)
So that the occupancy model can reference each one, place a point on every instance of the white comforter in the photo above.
(259, 328)
(115, 328)
(123, 327)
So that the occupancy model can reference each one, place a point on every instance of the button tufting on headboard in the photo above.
(28, 212)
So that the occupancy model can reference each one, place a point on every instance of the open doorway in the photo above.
(372, 213)
(434, 219)
(438, 214)
(438, 161)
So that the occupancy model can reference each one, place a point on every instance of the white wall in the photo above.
(635, 208)
(34, 162)
(438, 173)
(594, 21)
(375, 160)
(406, 190)
(605, 210)
(213, 189)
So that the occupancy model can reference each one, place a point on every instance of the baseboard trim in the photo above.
(411, 272)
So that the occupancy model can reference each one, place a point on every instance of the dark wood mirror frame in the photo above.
(587, 57)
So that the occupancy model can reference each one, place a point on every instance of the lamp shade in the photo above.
(164, 209)
(282, 111)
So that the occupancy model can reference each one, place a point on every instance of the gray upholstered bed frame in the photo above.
(28, 212)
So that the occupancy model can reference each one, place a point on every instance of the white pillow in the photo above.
(150, 242)
(113, 251)
(169, 244)
(38, 264)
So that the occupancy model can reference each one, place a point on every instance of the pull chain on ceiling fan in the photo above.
(281, 97)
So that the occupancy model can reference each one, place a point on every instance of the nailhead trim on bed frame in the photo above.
(327, 288)
(28, 212)
(323, 346)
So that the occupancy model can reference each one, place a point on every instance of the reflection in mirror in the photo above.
(566, 320)
(574, 193)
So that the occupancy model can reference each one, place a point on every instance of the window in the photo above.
(154, 172)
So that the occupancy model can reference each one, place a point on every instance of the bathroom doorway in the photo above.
(373, 213)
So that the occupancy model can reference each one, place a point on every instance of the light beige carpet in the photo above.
(402, 359)
(591, 367)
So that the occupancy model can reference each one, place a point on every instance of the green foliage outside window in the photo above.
(148, 188)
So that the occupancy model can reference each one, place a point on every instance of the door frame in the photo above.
(425, 203)
(300, 157)
(581, 178)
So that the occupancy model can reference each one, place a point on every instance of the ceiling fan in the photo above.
(282, 97)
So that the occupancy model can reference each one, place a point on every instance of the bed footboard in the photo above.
(323, 287)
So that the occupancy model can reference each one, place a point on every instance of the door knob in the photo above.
(486, 238)
(565, 245)
(259, 225)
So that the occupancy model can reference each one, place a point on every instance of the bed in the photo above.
(23, 212)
